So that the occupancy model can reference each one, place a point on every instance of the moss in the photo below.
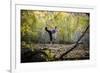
(49, 54)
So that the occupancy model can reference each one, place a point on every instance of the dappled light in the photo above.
(48, 35)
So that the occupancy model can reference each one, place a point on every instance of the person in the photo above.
(54, 33)
(51, 32)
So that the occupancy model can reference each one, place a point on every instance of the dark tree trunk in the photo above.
(61, 57)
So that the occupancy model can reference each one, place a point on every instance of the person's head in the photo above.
(55, 27)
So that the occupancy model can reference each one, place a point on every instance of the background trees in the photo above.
(72, 29)
(70, 25)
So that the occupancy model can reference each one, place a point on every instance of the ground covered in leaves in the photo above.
(52, 52)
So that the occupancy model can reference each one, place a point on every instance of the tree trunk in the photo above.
(61, 57)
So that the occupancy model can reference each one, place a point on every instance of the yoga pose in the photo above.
(51, 32)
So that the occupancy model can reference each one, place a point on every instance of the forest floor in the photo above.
(80, 52)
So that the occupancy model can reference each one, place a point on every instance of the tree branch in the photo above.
(77, 42)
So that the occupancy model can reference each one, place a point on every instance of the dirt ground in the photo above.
(80, 52)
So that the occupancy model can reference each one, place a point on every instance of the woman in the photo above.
(51, 32)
